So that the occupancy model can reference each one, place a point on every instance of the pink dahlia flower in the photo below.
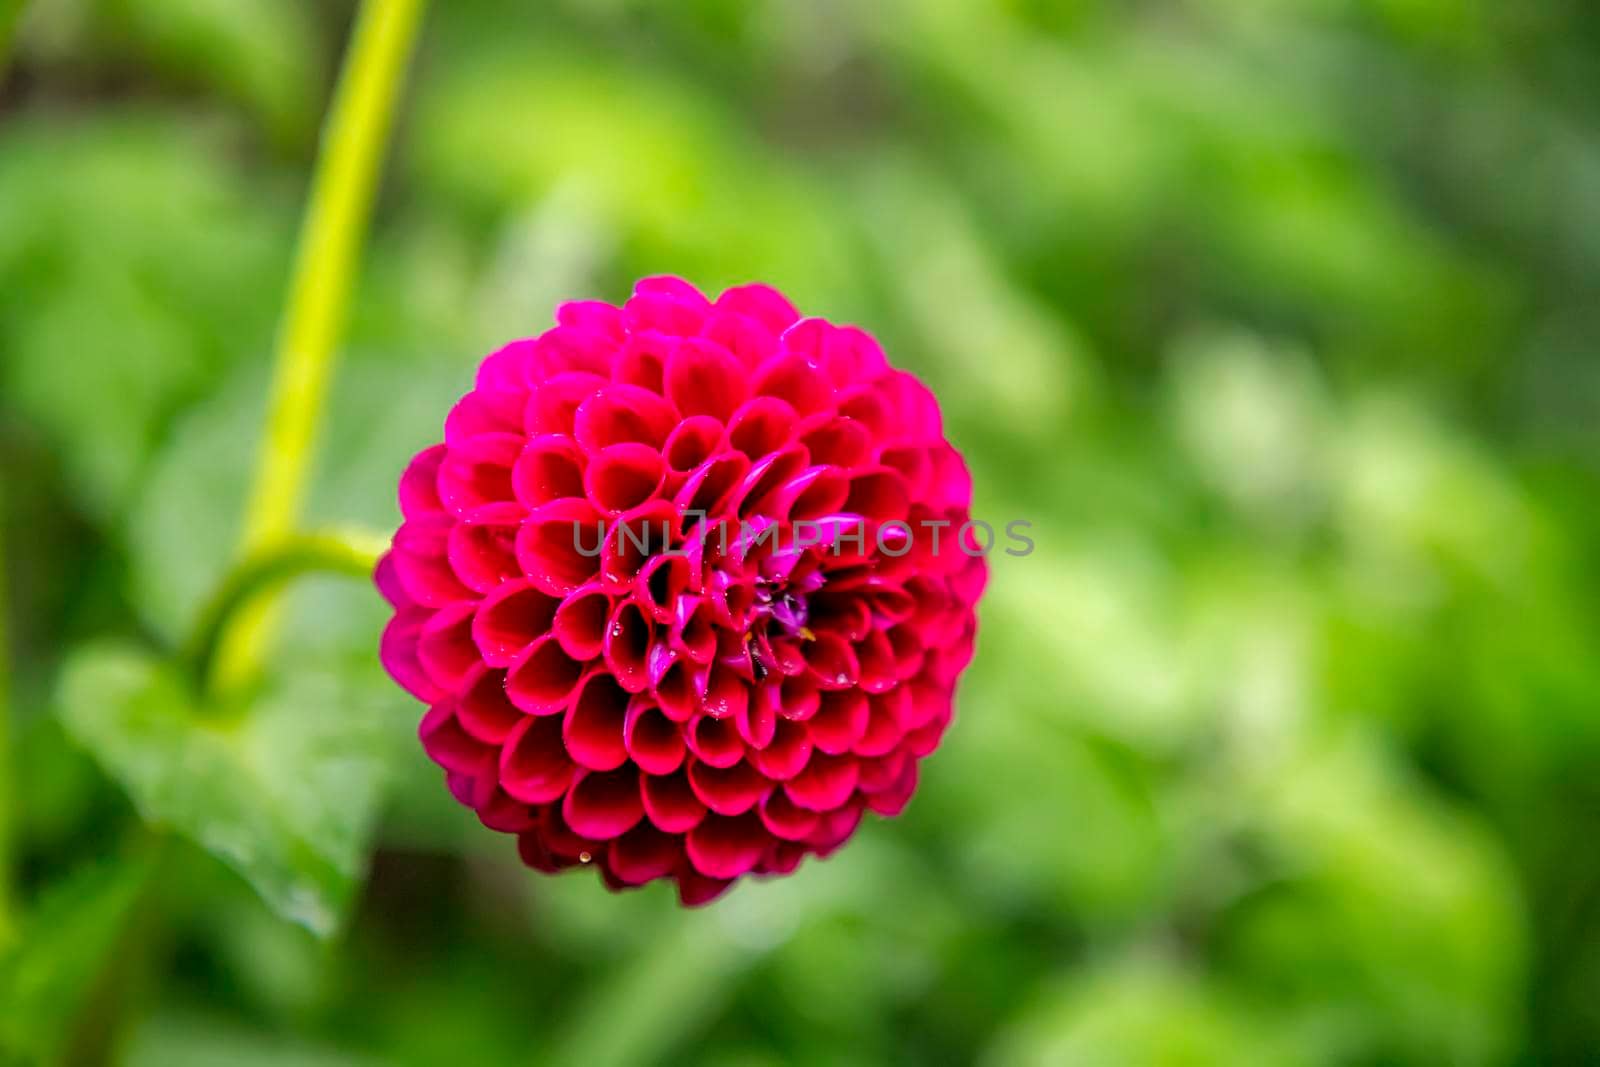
(685, 587)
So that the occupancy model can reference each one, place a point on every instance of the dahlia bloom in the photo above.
(685, 587)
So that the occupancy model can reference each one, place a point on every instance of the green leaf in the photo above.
(45, 980)
(283, 791)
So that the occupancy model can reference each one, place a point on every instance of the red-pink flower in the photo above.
(686, 587)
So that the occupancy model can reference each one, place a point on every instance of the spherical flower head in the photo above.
(685, 588)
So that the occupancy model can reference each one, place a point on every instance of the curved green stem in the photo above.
(259, 576)
(353, 142)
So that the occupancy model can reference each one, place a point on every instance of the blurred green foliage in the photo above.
(1276, 318)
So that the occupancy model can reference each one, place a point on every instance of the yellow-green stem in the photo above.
(354, 138)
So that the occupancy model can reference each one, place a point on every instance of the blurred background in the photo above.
(1277, 318)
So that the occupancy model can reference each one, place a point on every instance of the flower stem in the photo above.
(354, 139)
(260, 575)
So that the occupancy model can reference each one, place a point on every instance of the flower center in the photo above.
(784, 608)
(779, 611)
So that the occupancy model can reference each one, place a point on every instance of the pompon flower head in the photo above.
(684, 587)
